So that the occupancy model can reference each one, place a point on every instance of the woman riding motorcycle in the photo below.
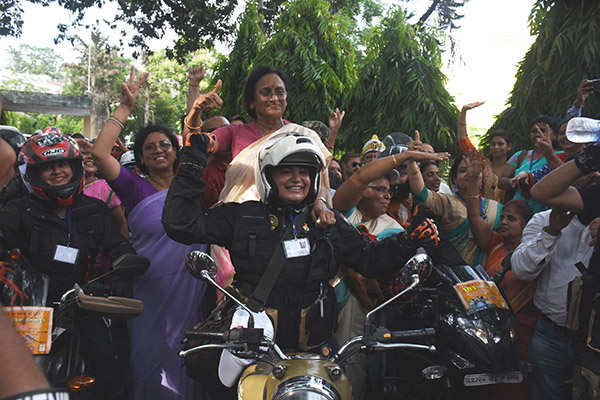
(277, 228)
(60, 231)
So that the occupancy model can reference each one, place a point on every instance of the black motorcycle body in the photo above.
(476, 347)
(81, 313)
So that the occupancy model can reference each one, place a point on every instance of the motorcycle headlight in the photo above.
(306, 388)
(476, 329)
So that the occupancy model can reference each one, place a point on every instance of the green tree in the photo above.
(107, 69)
(168, 85)
(401, 87)
(197, 23)
(35, 60)
(564, 52)
(234, 69)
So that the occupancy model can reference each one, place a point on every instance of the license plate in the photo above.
(492, 379)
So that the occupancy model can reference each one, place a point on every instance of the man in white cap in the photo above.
(371, 148)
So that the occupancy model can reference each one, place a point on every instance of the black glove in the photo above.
(194, 155)
(201, 142)
(424, 232)
(588, 159)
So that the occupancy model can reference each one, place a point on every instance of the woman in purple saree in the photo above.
(172, 299)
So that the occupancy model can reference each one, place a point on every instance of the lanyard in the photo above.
(531, 161)
(481, 210)
(69, 226)
(293, 219)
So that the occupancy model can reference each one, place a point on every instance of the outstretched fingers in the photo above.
(217, 87)
(131, 74)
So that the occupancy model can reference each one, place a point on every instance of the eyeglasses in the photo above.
(164, 144)
(268, 93)
(355, 164)
(380, 189)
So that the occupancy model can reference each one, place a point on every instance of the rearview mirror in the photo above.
(419, 264)
(199, 263)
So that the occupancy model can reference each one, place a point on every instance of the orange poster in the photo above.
(34, 324)
(478, 295)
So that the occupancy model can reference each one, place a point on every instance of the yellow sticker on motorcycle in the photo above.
(34, 324)
(478, 295)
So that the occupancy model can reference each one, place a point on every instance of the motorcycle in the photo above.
(279, 376)
(64, 362)
(476, 338)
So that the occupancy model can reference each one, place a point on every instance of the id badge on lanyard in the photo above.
(67, 254)
(296, 247)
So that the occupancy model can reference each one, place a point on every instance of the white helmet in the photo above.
(128, 158)
(290, 145)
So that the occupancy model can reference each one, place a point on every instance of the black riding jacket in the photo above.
(252, 230)
(30, 224)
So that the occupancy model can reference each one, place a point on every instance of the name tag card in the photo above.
(296, 248)
(66, 254)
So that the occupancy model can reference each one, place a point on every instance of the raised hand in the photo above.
(583, 92)
(474, 175)
(209, 100)
(130, 89)
(196, 75)
(84, 145)
(335, 120)
(417, 145)
(473, 105)
(543, 144)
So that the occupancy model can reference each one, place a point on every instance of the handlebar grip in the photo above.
(204, 335)
(412, 333)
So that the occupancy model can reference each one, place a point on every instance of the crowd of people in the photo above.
(269, 191)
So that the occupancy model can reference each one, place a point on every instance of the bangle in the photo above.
(323, 199)
(191, 128)
(116, 121)
(395, 160)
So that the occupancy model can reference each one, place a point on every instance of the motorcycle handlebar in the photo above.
(412, 333)
(382, 334)
(410, 346)
(205, 335)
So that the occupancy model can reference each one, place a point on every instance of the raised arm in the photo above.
(193, 120)
(463, 138)
(349, 193)
(555, 188)
(415, 179)
(335, 122)
(482, 232)
(109, 165)
(196, 75)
